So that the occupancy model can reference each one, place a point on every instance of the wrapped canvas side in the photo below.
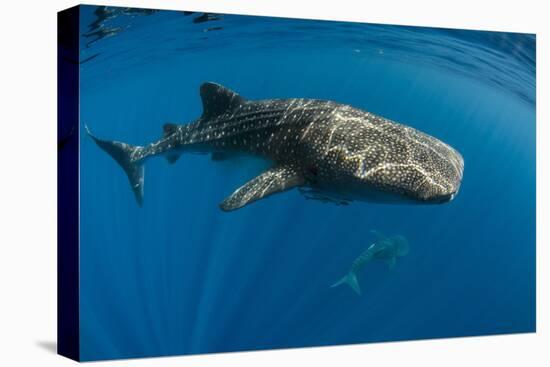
(68, 179)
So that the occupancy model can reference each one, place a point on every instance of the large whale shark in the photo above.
(386, 249)
(332, 151)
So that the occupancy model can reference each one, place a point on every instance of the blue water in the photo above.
(179, 276)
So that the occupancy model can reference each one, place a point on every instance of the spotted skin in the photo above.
(332, 148)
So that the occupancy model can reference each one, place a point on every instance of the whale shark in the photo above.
(331, 151)
(386, 249)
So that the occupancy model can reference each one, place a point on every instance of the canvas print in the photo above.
(236, 183)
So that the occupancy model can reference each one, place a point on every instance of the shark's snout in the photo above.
(443, 176)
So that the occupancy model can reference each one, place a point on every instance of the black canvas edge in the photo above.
(68, 316)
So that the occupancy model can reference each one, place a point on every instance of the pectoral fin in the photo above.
(391, 263)
(276, 179)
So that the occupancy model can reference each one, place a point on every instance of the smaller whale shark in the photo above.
(386, 249)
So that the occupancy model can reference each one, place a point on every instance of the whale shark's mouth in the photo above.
(441, 199)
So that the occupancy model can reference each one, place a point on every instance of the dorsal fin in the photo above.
(168, 129)
(217, 100)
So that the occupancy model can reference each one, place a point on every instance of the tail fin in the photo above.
(122, 153)
(351, 280)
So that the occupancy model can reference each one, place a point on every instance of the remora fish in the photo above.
(386, 249)
(331, 149)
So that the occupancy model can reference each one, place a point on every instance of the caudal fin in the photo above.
(351, 280)
(123, 153)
